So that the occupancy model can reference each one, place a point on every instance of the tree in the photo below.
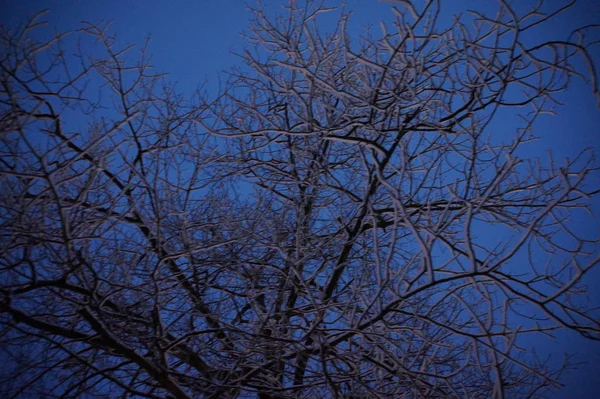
(337, 222)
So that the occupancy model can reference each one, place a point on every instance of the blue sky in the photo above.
(193, 41)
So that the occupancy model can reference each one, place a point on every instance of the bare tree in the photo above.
(338, 222)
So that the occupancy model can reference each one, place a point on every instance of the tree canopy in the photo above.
(338, 221)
